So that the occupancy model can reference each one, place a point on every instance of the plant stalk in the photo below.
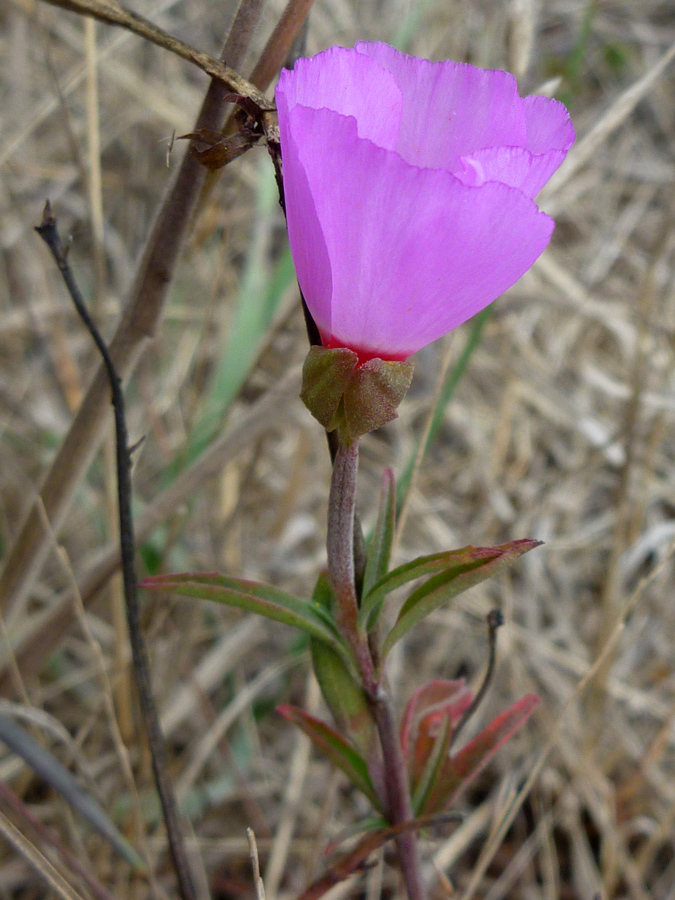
(398, 793)
(340, 544)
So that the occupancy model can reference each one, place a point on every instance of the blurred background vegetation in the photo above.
(553, 420)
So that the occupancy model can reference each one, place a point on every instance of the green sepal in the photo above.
(374, 393)
(325, 376)
(354, 399)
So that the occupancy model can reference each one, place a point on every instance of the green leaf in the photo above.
(459, 770)
(433, 766)
(336, 748)
(423, 566)
(344, 696)
(468, 567)
(262, 599)
(416, 568)
(379, 549)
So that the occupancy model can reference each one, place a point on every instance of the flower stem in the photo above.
(398, 794)
(340, 545)
(341, 512)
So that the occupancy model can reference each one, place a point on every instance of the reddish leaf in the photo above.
(423, 718)
(426, 733)
(335, 747)
(460, 769)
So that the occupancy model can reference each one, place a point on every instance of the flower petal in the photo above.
(413, 252)
(549, 126)
(310, 254)
(451, 109)
(348, 83)
(510, 165)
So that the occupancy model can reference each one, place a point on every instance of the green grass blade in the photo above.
(454, 377)
(380, 544)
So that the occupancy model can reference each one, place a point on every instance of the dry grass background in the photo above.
(561, 429)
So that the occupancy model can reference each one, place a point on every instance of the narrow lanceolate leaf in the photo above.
(262, 599)
(460, 769)
(344, 696)
(56, 775)
(379, 549)
(425, 567)
(426, 732)
(433, 766)
(336, 748)
(466, 568)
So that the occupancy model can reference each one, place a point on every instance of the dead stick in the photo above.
(49, 233)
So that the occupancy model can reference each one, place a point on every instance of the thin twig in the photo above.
(49, 233)
(116, 14)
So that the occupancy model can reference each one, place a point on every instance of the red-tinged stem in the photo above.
(341, 511)
(398, 793)
(340, 545)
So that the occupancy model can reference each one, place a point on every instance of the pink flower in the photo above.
(409, 191)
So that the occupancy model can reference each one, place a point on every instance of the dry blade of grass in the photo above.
(13, 806)
(615, 116)
(38, 861)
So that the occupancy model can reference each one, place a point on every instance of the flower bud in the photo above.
(354, 399)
